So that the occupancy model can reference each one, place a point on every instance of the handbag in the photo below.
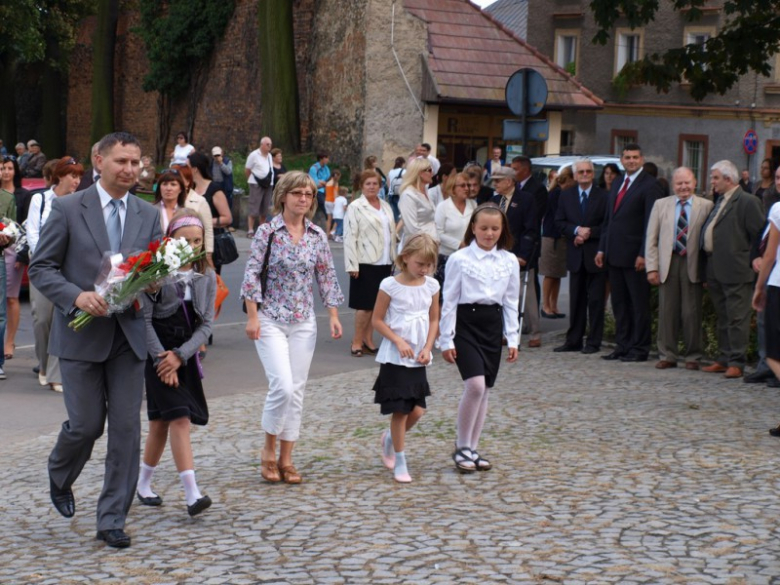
(264, 270)
(225, 250)
(222, 292)
(265, 181)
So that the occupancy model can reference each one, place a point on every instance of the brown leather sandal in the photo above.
(270, 471)
(290, 474)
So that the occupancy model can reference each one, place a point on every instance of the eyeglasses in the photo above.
(428, 170)
(298, 193)
(464, 185)
(9, 158)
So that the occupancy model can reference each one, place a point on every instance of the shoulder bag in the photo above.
(264, 270)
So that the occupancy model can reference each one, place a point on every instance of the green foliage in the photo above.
(571, 68)
(179, 35)
(741, 45)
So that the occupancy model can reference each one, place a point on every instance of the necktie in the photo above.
(621, 194)
(114, 225)
(681, 240)
(502, 203)
(583, 202)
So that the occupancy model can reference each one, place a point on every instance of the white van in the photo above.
(542, 165)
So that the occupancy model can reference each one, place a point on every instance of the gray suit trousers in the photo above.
(94, 392)
(733, 307)
(679, 303)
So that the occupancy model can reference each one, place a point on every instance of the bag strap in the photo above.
(267, 255)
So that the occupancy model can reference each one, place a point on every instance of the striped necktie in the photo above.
(681, 239)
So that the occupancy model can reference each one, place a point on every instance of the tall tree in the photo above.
(744, 43)
(278, 78)
(103, 45)
(179, 36)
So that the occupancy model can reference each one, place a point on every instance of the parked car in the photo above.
(541, 166)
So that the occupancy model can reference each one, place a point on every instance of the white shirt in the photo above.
(774, 218)
(339, 207)
(477, 276)
(259, 165)
(408, 315)
(180, 154)
(451, 224)
(436, 195)
(105, 203)
(35, 219)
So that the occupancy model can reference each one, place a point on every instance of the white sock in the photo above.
(191, 491)
(400, 464)
(145, 481)
(388, 444)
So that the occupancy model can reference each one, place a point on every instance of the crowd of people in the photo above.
(436, 258)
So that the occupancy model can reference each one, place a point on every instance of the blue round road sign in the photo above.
(750, 142)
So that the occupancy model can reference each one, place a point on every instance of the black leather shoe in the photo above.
(199, 506)
(547, 315)
(567, 347)
(588, 349)
(116, 538)
(758, 377)
(775, 432)
(63, 500)
(773, 382)
(150, 501)
(633, 358)
(615, 355)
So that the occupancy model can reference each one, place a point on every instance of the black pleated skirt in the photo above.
(400, 389)
(479, 330)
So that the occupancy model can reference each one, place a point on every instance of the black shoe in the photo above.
(615, 355)
(632, 357)
(116, 537)
(559, 315)
(36, 369)
(757, 377)
(567, 347)
(773, 382)
(199, 506)
(63, 500)
(775, 431)
(547, 315)
(151, 501)
(588, 349)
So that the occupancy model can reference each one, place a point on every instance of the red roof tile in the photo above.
(471, 57)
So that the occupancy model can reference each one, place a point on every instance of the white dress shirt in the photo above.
(105, 203)
(36, 219)
(477, 276)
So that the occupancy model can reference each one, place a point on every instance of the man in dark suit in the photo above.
(89, 178)
(102, 367)
(622, 250)
(726, 238)
(580, 213)
(524, 225)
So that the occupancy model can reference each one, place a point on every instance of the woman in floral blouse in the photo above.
(281, 319)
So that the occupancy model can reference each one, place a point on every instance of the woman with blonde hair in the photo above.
(417, 210)
(288, 254)
(452, 219)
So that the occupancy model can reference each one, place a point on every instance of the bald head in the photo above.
(265, 145)
(683, 183)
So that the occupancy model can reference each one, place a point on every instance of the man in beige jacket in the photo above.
(672, 261)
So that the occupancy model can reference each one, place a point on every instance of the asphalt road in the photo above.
(231, 366)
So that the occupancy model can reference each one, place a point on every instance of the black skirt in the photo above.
(166, 402)
(479, 330)
(400, 389)
(772, 322)
(364, 288)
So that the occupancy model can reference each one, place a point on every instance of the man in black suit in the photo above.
(580, 213)
(88, 179)
(622, 250)
(524, 225)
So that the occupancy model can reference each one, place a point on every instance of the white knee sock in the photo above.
(191, 491)
(469, 409)
(145, 481)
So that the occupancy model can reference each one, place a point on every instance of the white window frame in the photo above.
(560, 36)
(621, 46)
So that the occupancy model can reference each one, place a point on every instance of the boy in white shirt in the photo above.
(339, 210)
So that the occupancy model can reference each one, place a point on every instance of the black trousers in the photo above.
(631, 305)
(586, 307)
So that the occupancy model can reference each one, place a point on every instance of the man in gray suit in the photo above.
(103, 366)
(727, 238)
(672, 263)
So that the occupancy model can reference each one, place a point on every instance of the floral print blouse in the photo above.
(292, 269)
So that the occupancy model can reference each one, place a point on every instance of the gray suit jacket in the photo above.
(67, 261)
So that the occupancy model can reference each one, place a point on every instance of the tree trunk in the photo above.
(103, 44)
(53, 104)
(278, 80)
(197, 87)
(8, 103)
(163, 128)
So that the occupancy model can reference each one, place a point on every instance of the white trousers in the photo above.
(286, 351)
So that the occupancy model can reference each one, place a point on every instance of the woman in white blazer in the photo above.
(369, 253)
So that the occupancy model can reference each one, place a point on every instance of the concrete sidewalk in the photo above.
(604, 473)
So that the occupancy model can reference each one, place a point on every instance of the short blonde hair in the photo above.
(422, 244)
(293, 180)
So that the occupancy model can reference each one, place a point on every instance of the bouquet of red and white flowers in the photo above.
(10, 228)
(121, 281)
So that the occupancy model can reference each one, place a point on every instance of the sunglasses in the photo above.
(9, 158)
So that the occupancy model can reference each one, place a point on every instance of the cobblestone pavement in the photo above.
(604, 473)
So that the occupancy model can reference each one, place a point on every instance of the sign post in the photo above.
(526, 95)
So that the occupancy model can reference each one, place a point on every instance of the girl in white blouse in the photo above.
(407, 316)
(481, 293)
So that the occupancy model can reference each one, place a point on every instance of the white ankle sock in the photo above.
(191, 491)
(400, 464)
(145, 481)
